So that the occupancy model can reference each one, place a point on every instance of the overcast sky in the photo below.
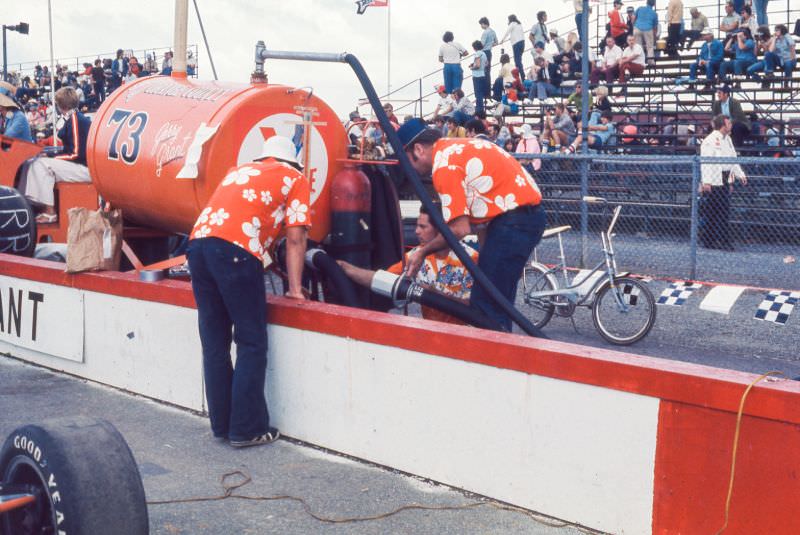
(90, 27)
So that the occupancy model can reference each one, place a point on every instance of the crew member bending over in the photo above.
(228, 247)
(482, 185)
(68, 166)
(441, 271)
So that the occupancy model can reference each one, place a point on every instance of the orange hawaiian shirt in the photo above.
(253, 203)
(476, 178)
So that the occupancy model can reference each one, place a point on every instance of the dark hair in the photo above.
(477, 45)
(541, 15)
(483, 20)
(447, 37)
(607, 115)
(476, 125)
(504, 59)
(437, 206)
(718, 121)
(651, 3)
(513, 18)
(782, 28)
(459, 92)
(746, 32)
(748, 10)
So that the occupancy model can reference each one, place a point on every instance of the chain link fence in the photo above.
(728, 220)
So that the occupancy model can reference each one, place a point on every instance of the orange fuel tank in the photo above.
(159, 146)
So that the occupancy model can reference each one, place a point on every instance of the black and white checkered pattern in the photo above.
(777, 306)
(630, 294)
(677, 293)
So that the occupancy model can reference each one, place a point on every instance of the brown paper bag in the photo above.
(94, 240)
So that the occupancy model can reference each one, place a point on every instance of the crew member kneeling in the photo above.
(441, 271)
(482, 185)
(229, 244)
(69, 166)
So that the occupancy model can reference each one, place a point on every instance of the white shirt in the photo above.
(717, 145)
(445, 104)
(634, 51)
(515, 33)
(612, 55)
(451, 52)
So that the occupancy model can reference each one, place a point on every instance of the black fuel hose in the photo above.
(401, 288)
(319, 259)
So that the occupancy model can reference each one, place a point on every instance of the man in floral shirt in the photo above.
(228, 248)
(441, 271)
(480, 185)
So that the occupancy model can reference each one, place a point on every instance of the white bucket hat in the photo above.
(280, 148)
(527, 131)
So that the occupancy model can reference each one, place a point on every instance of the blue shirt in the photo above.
(489, 39)
(725, 108)
(712, 51)
(17, 126)
(747, 53)
(480, 72)
(783, 47)
(646, 19)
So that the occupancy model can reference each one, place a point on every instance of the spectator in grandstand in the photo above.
(517, 84)
(560, 44)
(618, 29)
(480, 185)
(731, 108)
(119, 70)
(547, 78)
(730, 22)
(576, 64)
(566, 72)
(516, 35)
(601, 103)
(540, 52)
(744, 48)
(608, 66)
(445, 104)
(644, 29)
(477, 128)
(478, 70)
(572, 40)
(13, 123)
(191, 63)
(717, 183)
(166, 63)
(69, 166)
(761, 12)
(674, 25)
(709, 59)
(699, 23)
(450, 53)
(601, 130)
(528, 144)
(506, 69)
(493, 133)
(558, 130)
(632, 61)
(441, 271)
(389, 110)
(463, 108)
(779, 54)
(509, 103)
(538, 32)
(576, 99)
(489, 41)
(747, 20)
(630, 17)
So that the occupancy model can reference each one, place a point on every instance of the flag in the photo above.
(362, 5)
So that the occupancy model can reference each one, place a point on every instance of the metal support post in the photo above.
(695, 221)
(5, 58)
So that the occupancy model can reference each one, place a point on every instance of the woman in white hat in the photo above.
(528, 144)
(13, 122)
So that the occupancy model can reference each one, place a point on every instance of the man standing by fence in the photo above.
(717, 184)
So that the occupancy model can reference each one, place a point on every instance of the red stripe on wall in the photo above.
(692, 471)
(665, 379)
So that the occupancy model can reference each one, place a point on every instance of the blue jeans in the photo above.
(228, 286)
(760, 11)
(712, 67)
(738, 66)
(773, 61)
(510, 240)
(479, 86)
(546, 89)
(518, 48)
(453, 76)
(738, 5)
(579, 26)
(487, 78)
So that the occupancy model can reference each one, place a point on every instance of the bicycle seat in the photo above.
(555, 231)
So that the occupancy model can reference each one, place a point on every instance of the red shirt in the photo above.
(253, 203)
(476, 178)
(618, 27)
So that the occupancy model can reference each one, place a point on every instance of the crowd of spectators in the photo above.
(93, 82)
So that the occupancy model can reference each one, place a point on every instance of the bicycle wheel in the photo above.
(625, 312)
(538, 310)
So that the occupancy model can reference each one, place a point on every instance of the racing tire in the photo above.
(17, 223)
(536, 278)
(83, 475)
(624, 325)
